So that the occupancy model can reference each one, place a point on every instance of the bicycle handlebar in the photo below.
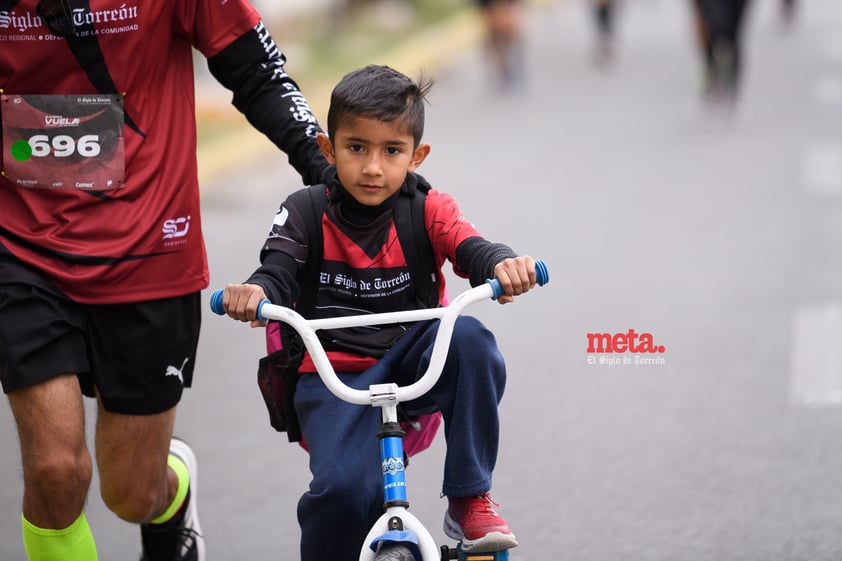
(447, 315)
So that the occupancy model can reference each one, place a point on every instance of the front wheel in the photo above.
(394, 551)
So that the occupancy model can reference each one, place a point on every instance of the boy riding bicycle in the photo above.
(375, 123)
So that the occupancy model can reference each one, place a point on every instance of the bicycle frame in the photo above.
(396, 524)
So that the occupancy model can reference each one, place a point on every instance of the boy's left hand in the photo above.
(516, 276)
(241, 302)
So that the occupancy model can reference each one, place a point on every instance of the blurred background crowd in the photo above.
(323, 39)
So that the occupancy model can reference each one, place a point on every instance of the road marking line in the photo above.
(822, 169)
(816, 378)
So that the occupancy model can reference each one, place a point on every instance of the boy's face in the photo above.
(372, 157)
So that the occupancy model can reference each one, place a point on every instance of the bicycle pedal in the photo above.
(490, 556)
(457, 553)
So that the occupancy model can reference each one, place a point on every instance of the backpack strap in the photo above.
(278, 391)
(415, 240)
(312, 203)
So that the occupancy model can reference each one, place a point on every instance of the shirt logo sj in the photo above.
(176, 227)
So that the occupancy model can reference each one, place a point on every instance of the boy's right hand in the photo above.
(240, 301)
(516, 275)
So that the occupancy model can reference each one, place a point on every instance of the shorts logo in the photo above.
(173, 371)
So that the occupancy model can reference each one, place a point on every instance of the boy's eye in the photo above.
(355, 147)
(393, 150)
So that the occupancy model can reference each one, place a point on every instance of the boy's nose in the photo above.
(372, 165)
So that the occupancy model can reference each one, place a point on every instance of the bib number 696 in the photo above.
(63, 146)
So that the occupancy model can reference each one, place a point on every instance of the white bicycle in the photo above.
(397, 535)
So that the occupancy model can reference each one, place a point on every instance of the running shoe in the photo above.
(179, 539)
(475, 522)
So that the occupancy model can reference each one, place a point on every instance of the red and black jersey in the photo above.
(140, 238)
(363, 270)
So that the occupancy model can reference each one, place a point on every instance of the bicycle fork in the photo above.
(401, 526)
(397, 524)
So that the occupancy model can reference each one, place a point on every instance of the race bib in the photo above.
(63, 141)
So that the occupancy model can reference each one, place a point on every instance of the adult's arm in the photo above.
(252, 67)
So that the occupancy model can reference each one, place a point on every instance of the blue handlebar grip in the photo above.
(496, 288)
(260, 307)
(216, 302)
(542, 274)
(217, 307)
(542, 277)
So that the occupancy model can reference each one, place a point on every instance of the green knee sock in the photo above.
(74, 543)
(180, 470)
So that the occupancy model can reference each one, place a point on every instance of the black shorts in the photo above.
(138, 357)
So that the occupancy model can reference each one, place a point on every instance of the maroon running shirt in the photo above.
(101, 192)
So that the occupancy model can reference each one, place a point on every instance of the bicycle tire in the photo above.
(394, 552)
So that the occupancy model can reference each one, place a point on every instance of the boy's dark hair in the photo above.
(381, 93)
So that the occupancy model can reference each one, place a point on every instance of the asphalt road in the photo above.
(718, 235)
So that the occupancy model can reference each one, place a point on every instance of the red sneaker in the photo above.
(474, 522)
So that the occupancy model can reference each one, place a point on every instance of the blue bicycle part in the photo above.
(396, 545)
(542, 277)
(216, 302)
(394, 470)
(217, 307)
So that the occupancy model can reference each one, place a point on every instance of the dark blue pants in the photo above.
(346, 496)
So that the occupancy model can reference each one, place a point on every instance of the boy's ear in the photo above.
(418, 156)
(327, 148)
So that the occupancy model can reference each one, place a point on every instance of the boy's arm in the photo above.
(277, 276)
(479, 256)
(487, 260)
(252, 67)
(475, 257)
(274, 280)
